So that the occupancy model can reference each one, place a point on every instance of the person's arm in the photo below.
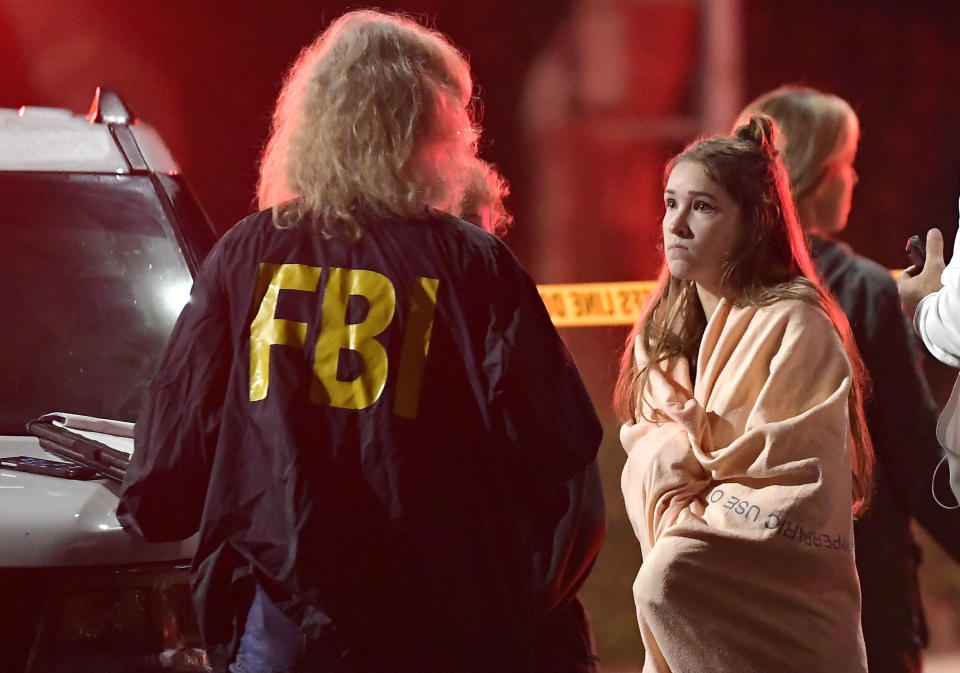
(537, 401)
(547, 424)
(164, 489)
(931, 299)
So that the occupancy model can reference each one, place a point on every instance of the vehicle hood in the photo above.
(52, 522)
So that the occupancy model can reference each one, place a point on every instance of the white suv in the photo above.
(99, 241)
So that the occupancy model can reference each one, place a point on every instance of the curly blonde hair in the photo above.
(373, 120)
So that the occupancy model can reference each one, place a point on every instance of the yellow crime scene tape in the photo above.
(583, 304)
(599, 304)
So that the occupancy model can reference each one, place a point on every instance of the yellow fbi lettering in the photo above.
(336, 334)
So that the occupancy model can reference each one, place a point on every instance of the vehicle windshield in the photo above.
(92, 282)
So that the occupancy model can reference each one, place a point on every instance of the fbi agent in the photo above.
(364, 408)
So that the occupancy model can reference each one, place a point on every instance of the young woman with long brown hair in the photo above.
(741, 395)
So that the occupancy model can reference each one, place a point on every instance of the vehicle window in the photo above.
(92, 283)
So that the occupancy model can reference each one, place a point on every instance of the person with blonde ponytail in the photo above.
(820, 134)
(741, 395)
(365, 410)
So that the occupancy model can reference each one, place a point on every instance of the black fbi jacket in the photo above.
(387, 434)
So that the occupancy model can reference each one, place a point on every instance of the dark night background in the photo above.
(206, 73)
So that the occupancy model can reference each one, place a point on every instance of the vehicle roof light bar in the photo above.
(107, 107)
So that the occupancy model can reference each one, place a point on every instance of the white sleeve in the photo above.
(953, 464)
(937, 319)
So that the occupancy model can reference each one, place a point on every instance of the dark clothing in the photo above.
(389, 437)
(902, 418)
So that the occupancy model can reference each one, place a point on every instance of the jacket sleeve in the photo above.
(537, 402)
(540, 409)
(163, 492)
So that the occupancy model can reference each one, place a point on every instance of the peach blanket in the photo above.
(741, 501)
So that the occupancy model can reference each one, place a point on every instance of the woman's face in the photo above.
(701, 225)
(834, 193)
